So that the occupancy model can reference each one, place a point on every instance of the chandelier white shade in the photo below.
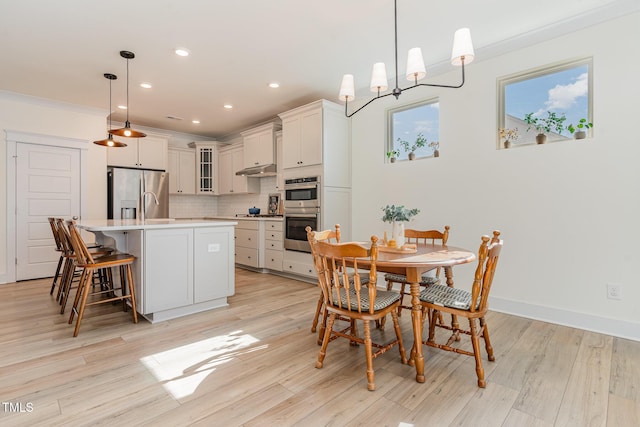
(461, 54)
(347, 89)
(462, 47)
(415, 65)
(379, 81)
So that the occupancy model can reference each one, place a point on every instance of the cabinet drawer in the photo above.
(247, 256)
(247, 238)
(276, 245)
(300, 268)
(273, 235)
(273, 226)
(273, 260)
(248, 224)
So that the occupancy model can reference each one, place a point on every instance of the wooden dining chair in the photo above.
(346, 296)
(417, 237)
(84, 259)
(323, 236)
(321, 315)
(472, 305)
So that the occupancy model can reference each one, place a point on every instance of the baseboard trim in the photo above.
(589, 322)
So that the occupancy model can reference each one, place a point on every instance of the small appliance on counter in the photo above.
(274, 204)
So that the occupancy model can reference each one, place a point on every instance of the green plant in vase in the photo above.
(410, 148)
(544, 125)
(391, 155)
(397, 216)
(579, 131)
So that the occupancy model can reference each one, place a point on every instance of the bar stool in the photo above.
(59, 248)
(71, 272)
(89, 265)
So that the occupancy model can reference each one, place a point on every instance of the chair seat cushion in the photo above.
(447, 297)
(383, 299)
(399, 278)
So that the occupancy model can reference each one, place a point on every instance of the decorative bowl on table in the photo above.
(254, 211)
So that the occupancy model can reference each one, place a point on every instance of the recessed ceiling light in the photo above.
(228, 106)
(274, 85)
(195, 122)
(122, 107)
(182, 52)
(145, 85)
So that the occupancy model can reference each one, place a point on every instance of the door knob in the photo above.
(75, 218)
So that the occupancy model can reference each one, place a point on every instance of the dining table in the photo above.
(412, 263)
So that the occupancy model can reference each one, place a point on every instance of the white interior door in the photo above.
(47, 185)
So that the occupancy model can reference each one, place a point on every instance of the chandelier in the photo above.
(461, 53)
(126, 130)
(109, 141)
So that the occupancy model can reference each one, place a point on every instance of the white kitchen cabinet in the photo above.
(317, 134)
(259, 146)
(231, 160)
(247, 243)
(212, 277)
(302, 137)
(150, 152)
(169, 269)
(279, 163)
(182, 171)
(206, 167)
(273, 245)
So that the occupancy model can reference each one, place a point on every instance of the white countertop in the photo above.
(250, 218)
(134, 224)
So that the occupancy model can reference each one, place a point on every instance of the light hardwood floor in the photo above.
(253, 364)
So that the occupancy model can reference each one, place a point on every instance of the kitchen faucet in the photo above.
(143, 204)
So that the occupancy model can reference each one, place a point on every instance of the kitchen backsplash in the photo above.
(182, 206)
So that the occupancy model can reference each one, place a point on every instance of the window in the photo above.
(414, 128)
(560, 90)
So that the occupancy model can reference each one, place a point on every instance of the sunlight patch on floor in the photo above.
(183, 369)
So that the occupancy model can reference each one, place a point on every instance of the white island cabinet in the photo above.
(182, 266)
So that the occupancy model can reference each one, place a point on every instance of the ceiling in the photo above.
(60, 50)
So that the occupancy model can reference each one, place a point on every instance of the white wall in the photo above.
(568, 211)
(35, 115)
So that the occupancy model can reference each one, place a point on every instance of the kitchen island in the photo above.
(182, 266)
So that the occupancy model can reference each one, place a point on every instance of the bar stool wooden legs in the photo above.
(127, 289)
(89, 266)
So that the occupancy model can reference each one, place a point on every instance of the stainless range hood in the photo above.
(258, 171)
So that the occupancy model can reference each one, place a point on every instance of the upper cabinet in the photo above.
(182, 171)
(302, 136)
(279, 162)
(231, 160)
(145, 153)
(259, 145)
(206, 167)
(317, 135)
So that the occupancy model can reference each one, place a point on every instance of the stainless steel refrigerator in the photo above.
(130, 190)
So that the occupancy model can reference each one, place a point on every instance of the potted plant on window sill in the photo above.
(435, 145)
(391, 155)
(397, 216)
(420, 142)
(579, 131)
(508, 135)
(544, 125)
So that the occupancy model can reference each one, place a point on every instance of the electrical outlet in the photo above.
(614, 291)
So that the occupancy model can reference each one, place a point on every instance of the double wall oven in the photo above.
(301, 209)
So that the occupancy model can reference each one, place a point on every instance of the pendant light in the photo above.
(109, 141)
(126, 130)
